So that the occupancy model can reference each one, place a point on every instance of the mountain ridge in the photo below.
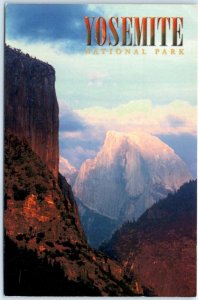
(160, 247)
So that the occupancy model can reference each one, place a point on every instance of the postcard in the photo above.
(100, 149)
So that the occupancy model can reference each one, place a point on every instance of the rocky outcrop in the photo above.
(41, 216)
(160, 248)
(31, 108)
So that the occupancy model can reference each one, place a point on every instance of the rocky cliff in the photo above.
(46, 252)
(41, 216)
(160, 248)
(31, 108)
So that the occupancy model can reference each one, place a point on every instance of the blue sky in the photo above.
(97, 93)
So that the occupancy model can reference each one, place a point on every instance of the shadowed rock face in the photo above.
(31, 108)
(160, 248)
(41, 216)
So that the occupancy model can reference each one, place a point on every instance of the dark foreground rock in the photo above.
(160, 248)
(43, 233)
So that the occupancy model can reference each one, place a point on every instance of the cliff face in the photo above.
(31, 108)
(41, 216)
(46, 252)
(160, 248)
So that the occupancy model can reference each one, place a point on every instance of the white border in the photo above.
(2, 4)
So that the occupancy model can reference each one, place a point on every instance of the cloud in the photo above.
(174, 121)
(77, 155)
(96, 78)
(177, 117)
(45, 21)
(69, 120)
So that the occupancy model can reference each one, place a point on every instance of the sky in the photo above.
(97, 93)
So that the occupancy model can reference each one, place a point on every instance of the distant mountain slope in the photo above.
(160, 248)
(67, 170)
(97, 227)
